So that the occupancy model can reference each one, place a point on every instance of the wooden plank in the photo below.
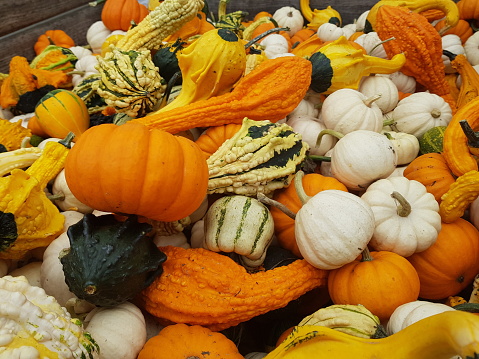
(19, 14)
(20, 43)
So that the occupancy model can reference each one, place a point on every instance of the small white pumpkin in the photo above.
(399, 171)
(471, 48)
(67, 202)
(409, 313)
(332, 228)
(86, 67)
(348, 30)
(362, 157)
(452, 43)
(119, 331)
(404, 83)
(347, 110)
(197, 237)
(380, 85)
(274, 44)
(329, 32)
(405, 144)
(309, 128)
(361, 20)
(406, 216)
(96, 35)
(305, 107)
(80, 51)
(372, 44)
(420, 112)
(31, 271)
(288, 16)
(177, 240)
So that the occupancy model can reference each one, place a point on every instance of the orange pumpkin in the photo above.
(119, 14)
(283, 224)
(432, 171)
(451, 263)
(463, 29)
(468, 9)
(180, 341)
(381, 281)
(214, 136)
(301, 36)
(55, 37)
(130, 169)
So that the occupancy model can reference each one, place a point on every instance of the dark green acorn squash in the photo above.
(110, 261)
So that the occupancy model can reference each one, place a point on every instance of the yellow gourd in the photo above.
(439, 336)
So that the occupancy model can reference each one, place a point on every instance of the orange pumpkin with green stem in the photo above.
(119, 14)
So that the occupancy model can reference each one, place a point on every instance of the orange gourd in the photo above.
(463, 29)
(198, 26)
(468, 9)
(180, 341)
(450, 264)
(432, 171)
(283, 224)
(215, 136)
(201, 287)
(308, 46)
(433, 14)
(262, 14)
(301, 36)
(119, 14)
(130, 169)
(381, 281)
(34, 126)
(53, 37)
(469, 89)
(420, 42)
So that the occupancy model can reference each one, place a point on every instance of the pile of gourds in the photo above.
(192, 182)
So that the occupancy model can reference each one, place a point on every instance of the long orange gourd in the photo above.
(455, 146)
(269, 92)
(201, 287)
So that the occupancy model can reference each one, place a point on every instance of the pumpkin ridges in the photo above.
(215, 136)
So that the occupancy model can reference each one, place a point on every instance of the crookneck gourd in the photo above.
(22, 197)
(340, 65)
(261, 157)
(109, 261)
(201, 287)
(130, 82)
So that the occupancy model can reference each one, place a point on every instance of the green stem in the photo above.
(271, 202)
(380, 43)
(403, 208)
(471, 135)
(222, 9)
(60, 196)
(320, 158)
(298, 185)
(366, 255)
(67, 141)
(336, 134)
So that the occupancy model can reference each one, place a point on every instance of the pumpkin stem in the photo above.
(60, 196)
(471, 135)
(264, 34)
(380, 43)
(369, 101)
(169, 86)
(25, 142)
(298, 185)
(222, 9)
(320, 158)
(366, 255)
(67, 141)
(404, 208)
(449, 54)
(336, 134)
(389, 121)
(436, 113)
(271, 202)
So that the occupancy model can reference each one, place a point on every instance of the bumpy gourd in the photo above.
(85, 90)
(12, 134)
(201, 287)
(261, 157)
(130, 82)
(34, 325)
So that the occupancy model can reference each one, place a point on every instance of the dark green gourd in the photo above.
(110, 261)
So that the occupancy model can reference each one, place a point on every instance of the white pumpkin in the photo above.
(420, 112)
(305, 107)
(80, 51)
(325, 167)
(290, 17)
(362, 157)
(380, 85)
(372, 44)
(197, 237)
(274, 44)
(85, 67)
(119, 331)
(404, 83)
(4, 267)
(68, 202)
(405, 144)
(452, 43)
(96, 35)
(399, 171)
(329, 32)
(361, 21)
(309, 128)
(31, 271)
(348, 30)
(332, 228)
(406, 216)
(347, 110)
(409, 313)
(471, 48)
(177, 240)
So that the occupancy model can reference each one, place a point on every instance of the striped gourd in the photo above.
(239, 224)
(432, 140)
(84, 89)
(260, 158)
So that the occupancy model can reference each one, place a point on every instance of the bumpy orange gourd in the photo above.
(420, 42)
(432, 171)
(201, 287)
(119, 14)
(269, 92)
(469, 89)
(180, 341)
(283, 224)
(210, 140)
(381, 281)
(130, 169)
(53, 37)
(450, 264)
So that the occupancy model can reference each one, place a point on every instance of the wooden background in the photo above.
(24, 20)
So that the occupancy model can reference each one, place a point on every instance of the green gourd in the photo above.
(432, 140)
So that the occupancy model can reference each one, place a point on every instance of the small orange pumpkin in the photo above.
(451, 263)
(468, 9)
(53, 37)
(119, 14)
(180, 341)
(133, 170)
(283, 224)
(381, 281)
(210, 140)
(62, 111)
(463, 29)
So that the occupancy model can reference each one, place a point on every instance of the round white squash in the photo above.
(372, 44)
(329, 32)
(404, 83)
(31, 271)
(471, 48)
(96, 35)
(405, 144)
(309, 128)
(380, 85)
(69, 202)
(288, 16)
(452, 43)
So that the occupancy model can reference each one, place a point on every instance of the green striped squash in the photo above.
(239, 224)
(60, 112)
(85, 89)
(431, 141)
